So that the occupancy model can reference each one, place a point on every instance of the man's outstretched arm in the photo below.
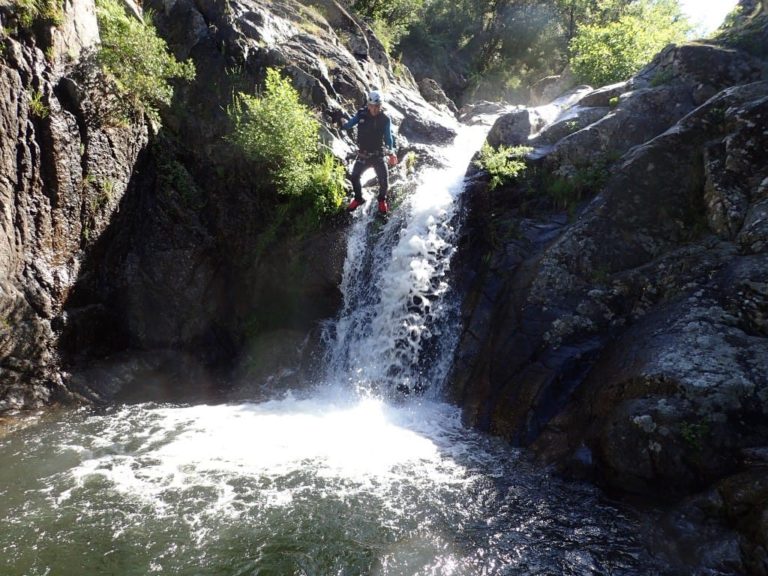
(351, 123)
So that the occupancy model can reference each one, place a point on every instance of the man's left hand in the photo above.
(392, 159)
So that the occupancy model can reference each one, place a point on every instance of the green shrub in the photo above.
(278, 133)
(325, 188)
(563, 192)
(694, 434)
(138, 60)
(503, 164)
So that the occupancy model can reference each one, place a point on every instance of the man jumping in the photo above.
(374, 142)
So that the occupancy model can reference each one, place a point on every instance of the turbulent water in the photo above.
(367, 473)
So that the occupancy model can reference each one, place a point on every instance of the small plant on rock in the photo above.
(503, 164)
(694, 434)
(662, 78)
(37, 107)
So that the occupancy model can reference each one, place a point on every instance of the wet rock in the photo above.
(639, 116)
(433, 93)
(705, 68)
(65, 173)
(603, 97)
(570, 123)
(548, 89)
(514, 128)
(634, 325)
(721, 530)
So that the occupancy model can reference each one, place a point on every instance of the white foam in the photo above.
(365, 445)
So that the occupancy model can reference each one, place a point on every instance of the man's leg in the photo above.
(357, 172)
(380, 166)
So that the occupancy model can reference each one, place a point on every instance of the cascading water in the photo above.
(336, 481)
(395, 284)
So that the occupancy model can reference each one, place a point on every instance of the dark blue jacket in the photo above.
(373, 132)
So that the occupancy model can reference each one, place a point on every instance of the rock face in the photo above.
(616, 296)
(130, 258)
(64, 173)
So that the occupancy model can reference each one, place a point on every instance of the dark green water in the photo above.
(314, 486)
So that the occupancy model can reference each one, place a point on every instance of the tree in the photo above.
(606, 53)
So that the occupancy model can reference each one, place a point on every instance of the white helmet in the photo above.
(374, 98)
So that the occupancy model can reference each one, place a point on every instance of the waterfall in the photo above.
(397, 328)
(339, 480)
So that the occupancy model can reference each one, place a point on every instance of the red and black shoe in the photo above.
(383, 208)
(354, 205)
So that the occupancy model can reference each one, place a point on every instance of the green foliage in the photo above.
(503, 164)
(324, 191)
(662, 77)
(37, 107)
(29, 13)
(567, 191)
(500, 46)
(410, 162)
(174, 179)
(745, 31)
(278, 133)
(107, 192)
(137, 60)
(389, 19)
(577, 13)
(694, 433)
(606, 53)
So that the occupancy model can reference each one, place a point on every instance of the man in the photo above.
(374, 141)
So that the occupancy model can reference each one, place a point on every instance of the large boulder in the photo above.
(615, 305)
(434, 94)
(634, 336)
(514, 128)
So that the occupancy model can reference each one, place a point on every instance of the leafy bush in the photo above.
(325, 188)
(503, 164)
(137, 59)
(606, 53)
(277, 132)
